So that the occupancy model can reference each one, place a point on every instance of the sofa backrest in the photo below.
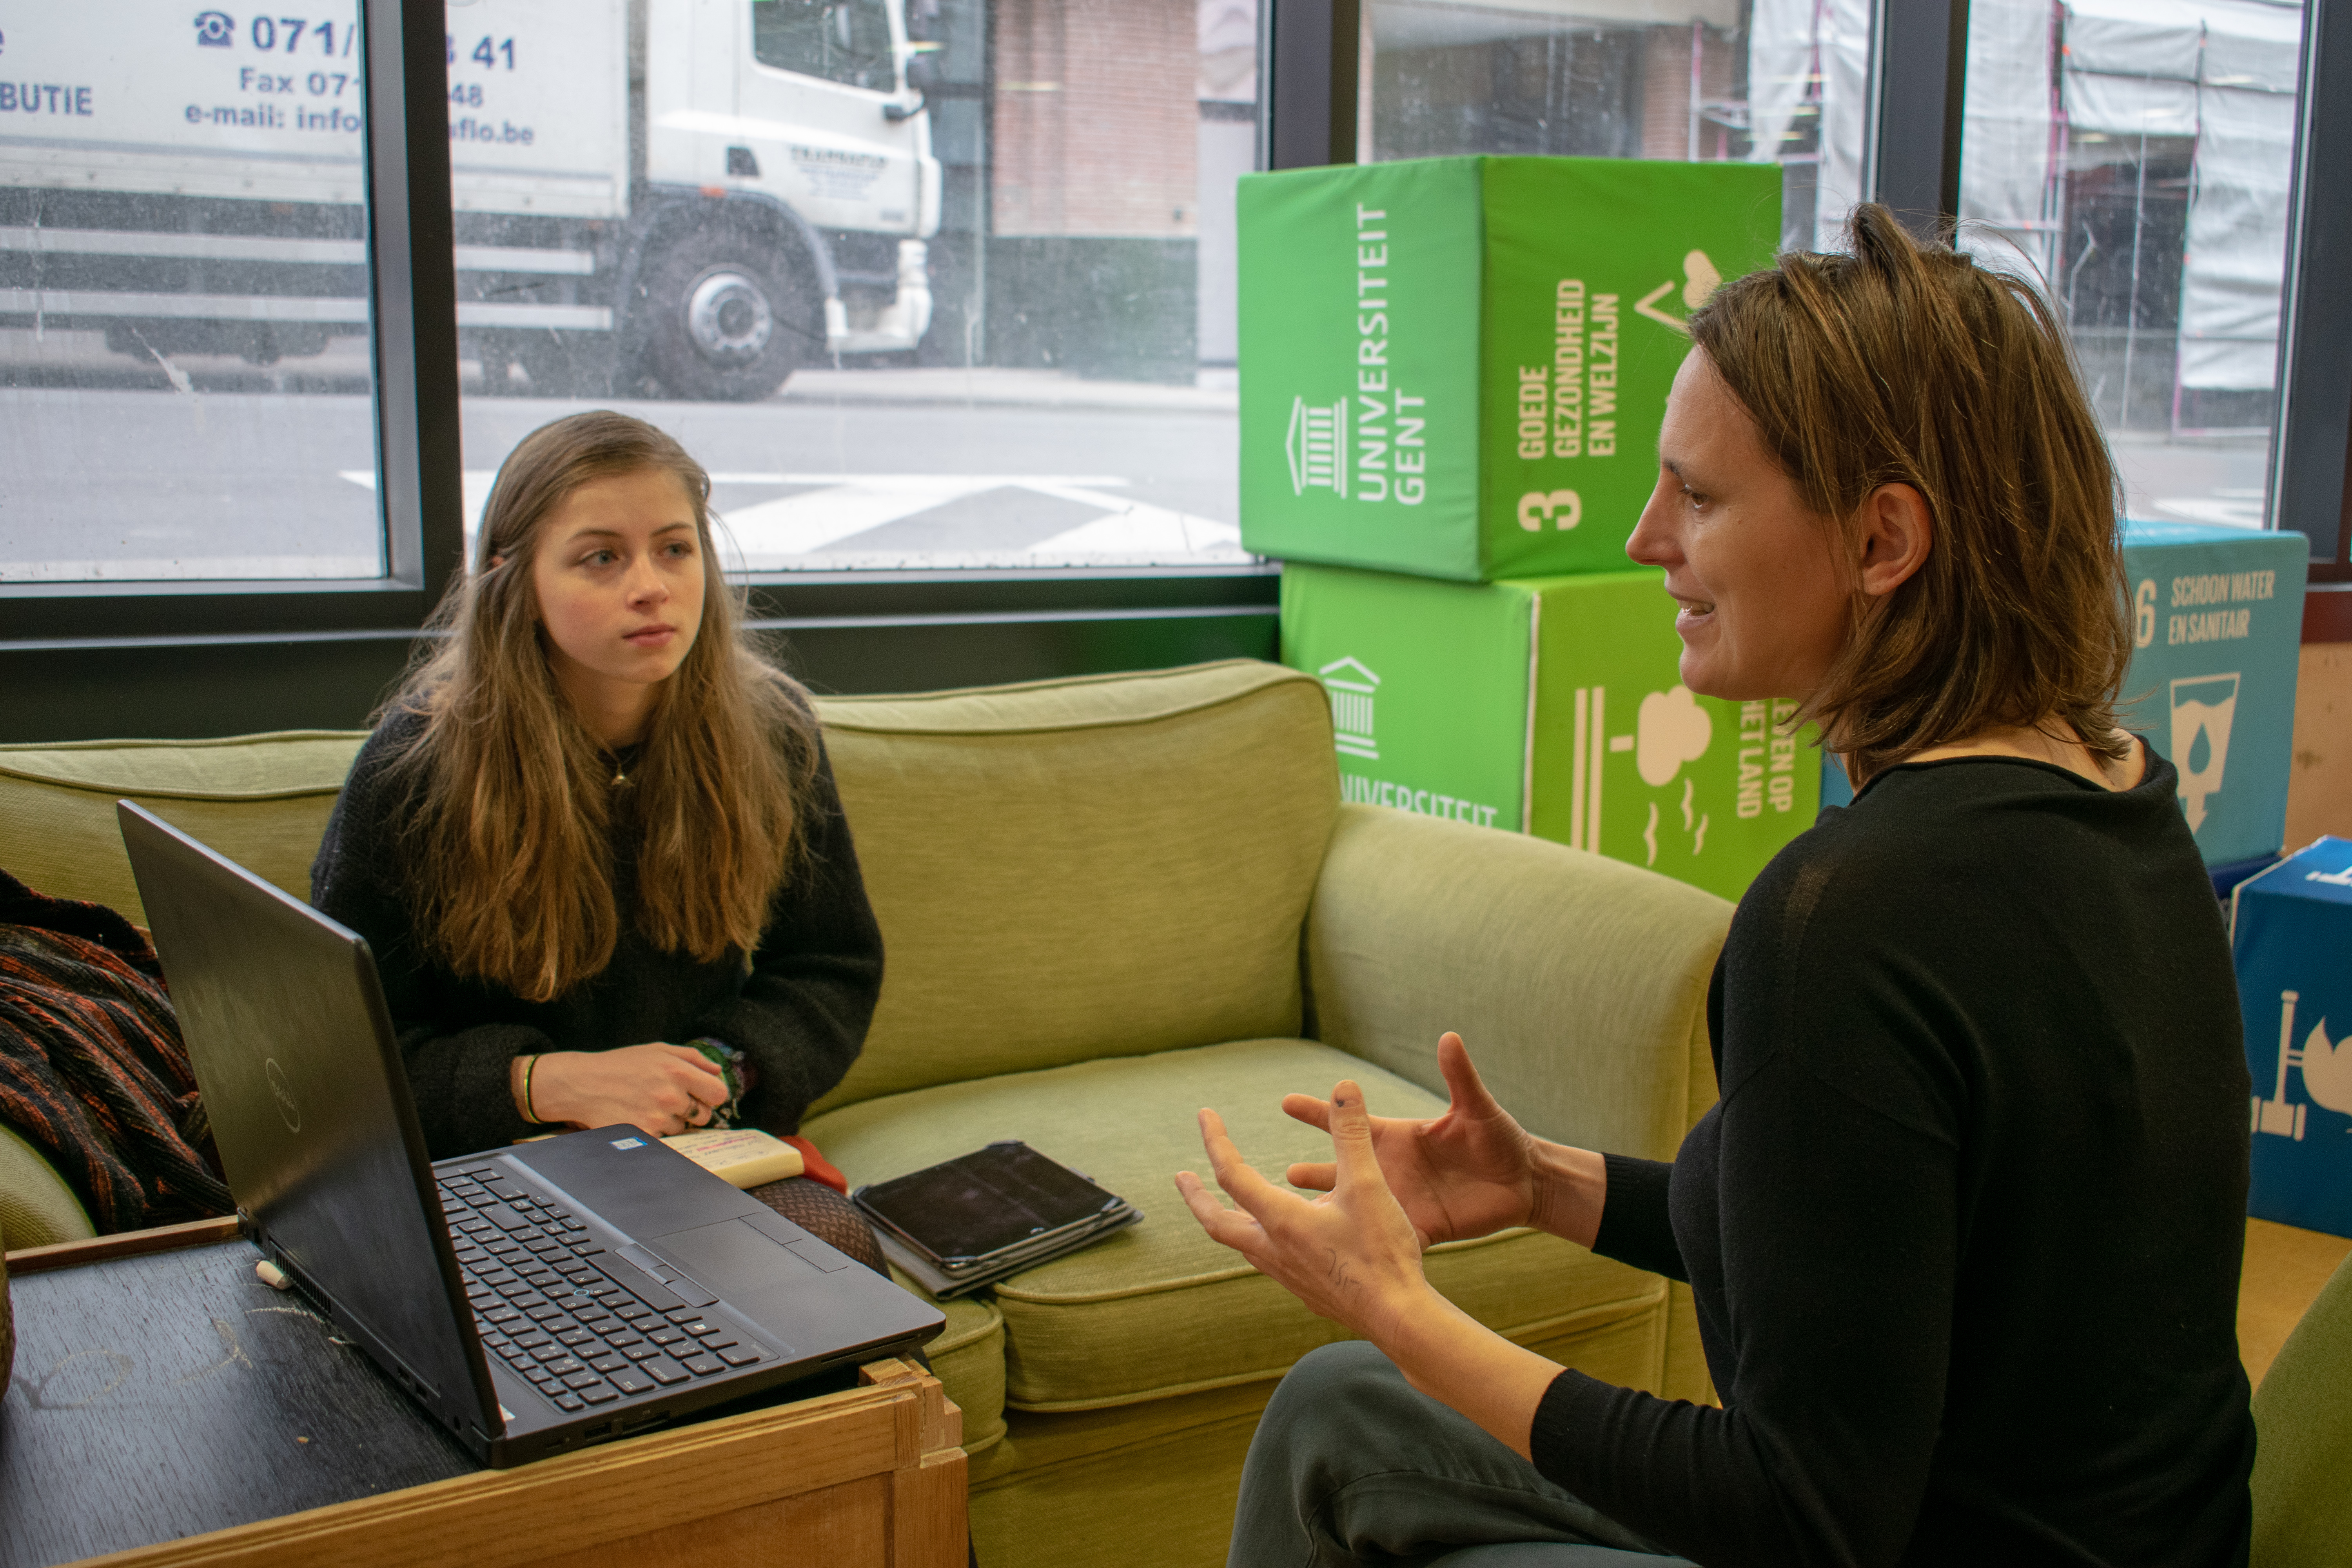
(1110, 866)
(1107, 865)
(261, 800)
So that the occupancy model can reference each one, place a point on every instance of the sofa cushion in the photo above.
(1079, 869)
(261, 800)
(1159, 1309)
(38, 1208)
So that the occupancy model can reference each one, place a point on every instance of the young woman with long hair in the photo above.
(1963, 1230)
(594, 841)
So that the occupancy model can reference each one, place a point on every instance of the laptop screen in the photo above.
(309, 1105)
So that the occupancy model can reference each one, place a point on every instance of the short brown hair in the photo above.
(1903, 363)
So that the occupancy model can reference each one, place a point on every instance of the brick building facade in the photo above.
(1097, 118)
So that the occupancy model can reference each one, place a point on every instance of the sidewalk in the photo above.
(986, 386)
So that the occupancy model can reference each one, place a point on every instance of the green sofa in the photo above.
(1107, 902)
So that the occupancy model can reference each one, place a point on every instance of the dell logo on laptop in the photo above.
(281, 1092)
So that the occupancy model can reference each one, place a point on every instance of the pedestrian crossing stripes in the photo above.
(799, 521)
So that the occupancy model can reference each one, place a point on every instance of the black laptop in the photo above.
(533, 1299)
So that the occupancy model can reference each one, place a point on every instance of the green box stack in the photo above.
(1551, 706)
(1453, 371)
(1457, 367)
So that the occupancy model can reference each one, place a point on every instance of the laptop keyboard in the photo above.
(544, 1306)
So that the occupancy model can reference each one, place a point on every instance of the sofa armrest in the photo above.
(1578, 982)
(37, 1207)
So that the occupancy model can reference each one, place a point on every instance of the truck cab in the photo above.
(780, 187)
(789, 186)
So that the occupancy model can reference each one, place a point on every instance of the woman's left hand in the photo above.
(657, 1088)
(1350, 1255)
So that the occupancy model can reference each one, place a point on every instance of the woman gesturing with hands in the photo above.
(1472, 1170)
(1353, 1255)
(1394, 1187)
(1963, 1230)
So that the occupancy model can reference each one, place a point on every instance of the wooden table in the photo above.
(167, 1407)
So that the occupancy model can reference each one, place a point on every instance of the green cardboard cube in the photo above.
(1457, 367)
(1551, 706)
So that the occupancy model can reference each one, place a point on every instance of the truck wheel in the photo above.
(733, 316)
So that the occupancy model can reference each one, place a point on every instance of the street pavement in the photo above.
(1007, 469)
(215, 471)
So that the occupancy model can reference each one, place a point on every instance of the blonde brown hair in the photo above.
(1904, 363)
(510, 807)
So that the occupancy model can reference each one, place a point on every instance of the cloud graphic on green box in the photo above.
(1672, 730)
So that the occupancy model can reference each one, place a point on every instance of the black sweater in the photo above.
(798, 1009)
(1964, 1228)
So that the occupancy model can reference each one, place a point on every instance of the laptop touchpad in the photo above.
(738, 1263)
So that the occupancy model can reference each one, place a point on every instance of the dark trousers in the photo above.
(1352, 1467)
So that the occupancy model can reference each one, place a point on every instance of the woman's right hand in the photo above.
(659, 1089)
(1471, 1171)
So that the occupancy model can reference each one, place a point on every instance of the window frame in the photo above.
(1306, 115)
(412, 291)
(828, 7)
(1917, 105)
(2310, 488)
(412, 284)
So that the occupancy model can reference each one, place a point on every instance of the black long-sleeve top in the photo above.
(798, 1009)
(1964, 1228)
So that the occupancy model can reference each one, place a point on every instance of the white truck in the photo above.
(712, 192)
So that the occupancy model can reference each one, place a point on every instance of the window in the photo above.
(185, 332)
(922, 282)
(2137, 162)
(1693, 80)
(949, 309)
(918, 280)
(848, 42)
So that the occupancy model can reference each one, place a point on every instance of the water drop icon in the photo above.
(2200, 751)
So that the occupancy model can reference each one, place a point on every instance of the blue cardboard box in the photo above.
(2217, 624)
(1836, 788)
(2291, 933)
